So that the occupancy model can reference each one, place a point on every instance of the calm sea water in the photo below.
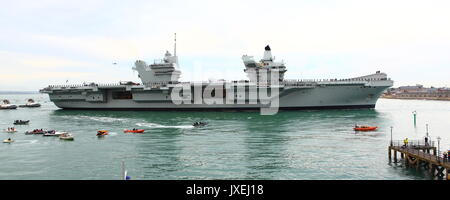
(235, 145)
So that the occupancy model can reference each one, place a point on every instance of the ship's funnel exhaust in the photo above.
(267, 54)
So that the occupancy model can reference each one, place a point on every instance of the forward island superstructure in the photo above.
(160, 89)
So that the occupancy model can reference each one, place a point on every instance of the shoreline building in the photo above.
(418, 92)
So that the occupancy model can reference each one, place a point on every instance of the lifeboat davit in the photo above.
(134, 131)
(365, 128)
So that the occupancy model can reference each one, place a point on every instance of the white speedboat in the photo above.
(31, 104)
(66, 136)
(7, 105)
(9, 140)
(11, 130)
(53, 133)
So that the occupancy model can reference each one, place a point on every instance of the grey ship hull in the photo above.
(161, 79)
(324, 96)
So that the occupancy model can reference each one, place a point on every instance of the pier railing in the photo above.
(422, 149)
(413, 143)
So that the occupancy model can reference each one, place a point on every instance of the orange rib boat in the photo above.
(134, 131)
(102, 132)
(365, 128)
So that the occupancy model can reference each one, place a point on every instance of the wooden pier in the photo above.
(421, 155)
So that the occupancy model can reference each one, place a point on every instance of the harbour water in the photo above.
(234, 145)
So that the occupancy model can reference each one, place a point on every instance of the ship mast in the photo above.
(175, 46)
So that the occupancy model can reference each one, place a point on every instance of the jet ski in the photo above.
(20, 122)
(200, 124)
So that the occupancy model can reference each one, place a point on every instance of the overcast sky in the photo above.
(50, 41)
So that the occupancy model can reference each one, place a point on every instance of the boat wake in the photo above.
(153, 125)
(112, 133)
(100, 119)
(26, 142)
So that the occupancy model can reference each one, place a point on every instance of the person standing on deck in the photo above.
(448, 153)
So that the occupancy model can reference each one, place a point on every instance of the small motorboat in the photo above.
(365, 128)
(35, 132)
(52, 133)
(134, 131)
(7, 105)
(102, 133)
(66, 136)
(11, 130)
(31, 104)
(200, 124)
(21, 122)
(9, 140)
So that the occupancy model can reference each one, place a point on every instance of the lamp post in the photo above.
(414, 114)
(439, 147)
(391, 136)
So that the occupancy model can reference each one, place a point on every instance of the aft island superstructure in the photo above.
(160, 89)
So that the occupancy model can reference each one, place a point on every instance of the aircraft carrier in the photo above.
(266, 87)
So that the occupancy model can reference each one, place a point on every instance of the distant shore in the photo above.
(418, 92)
(416, 98)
